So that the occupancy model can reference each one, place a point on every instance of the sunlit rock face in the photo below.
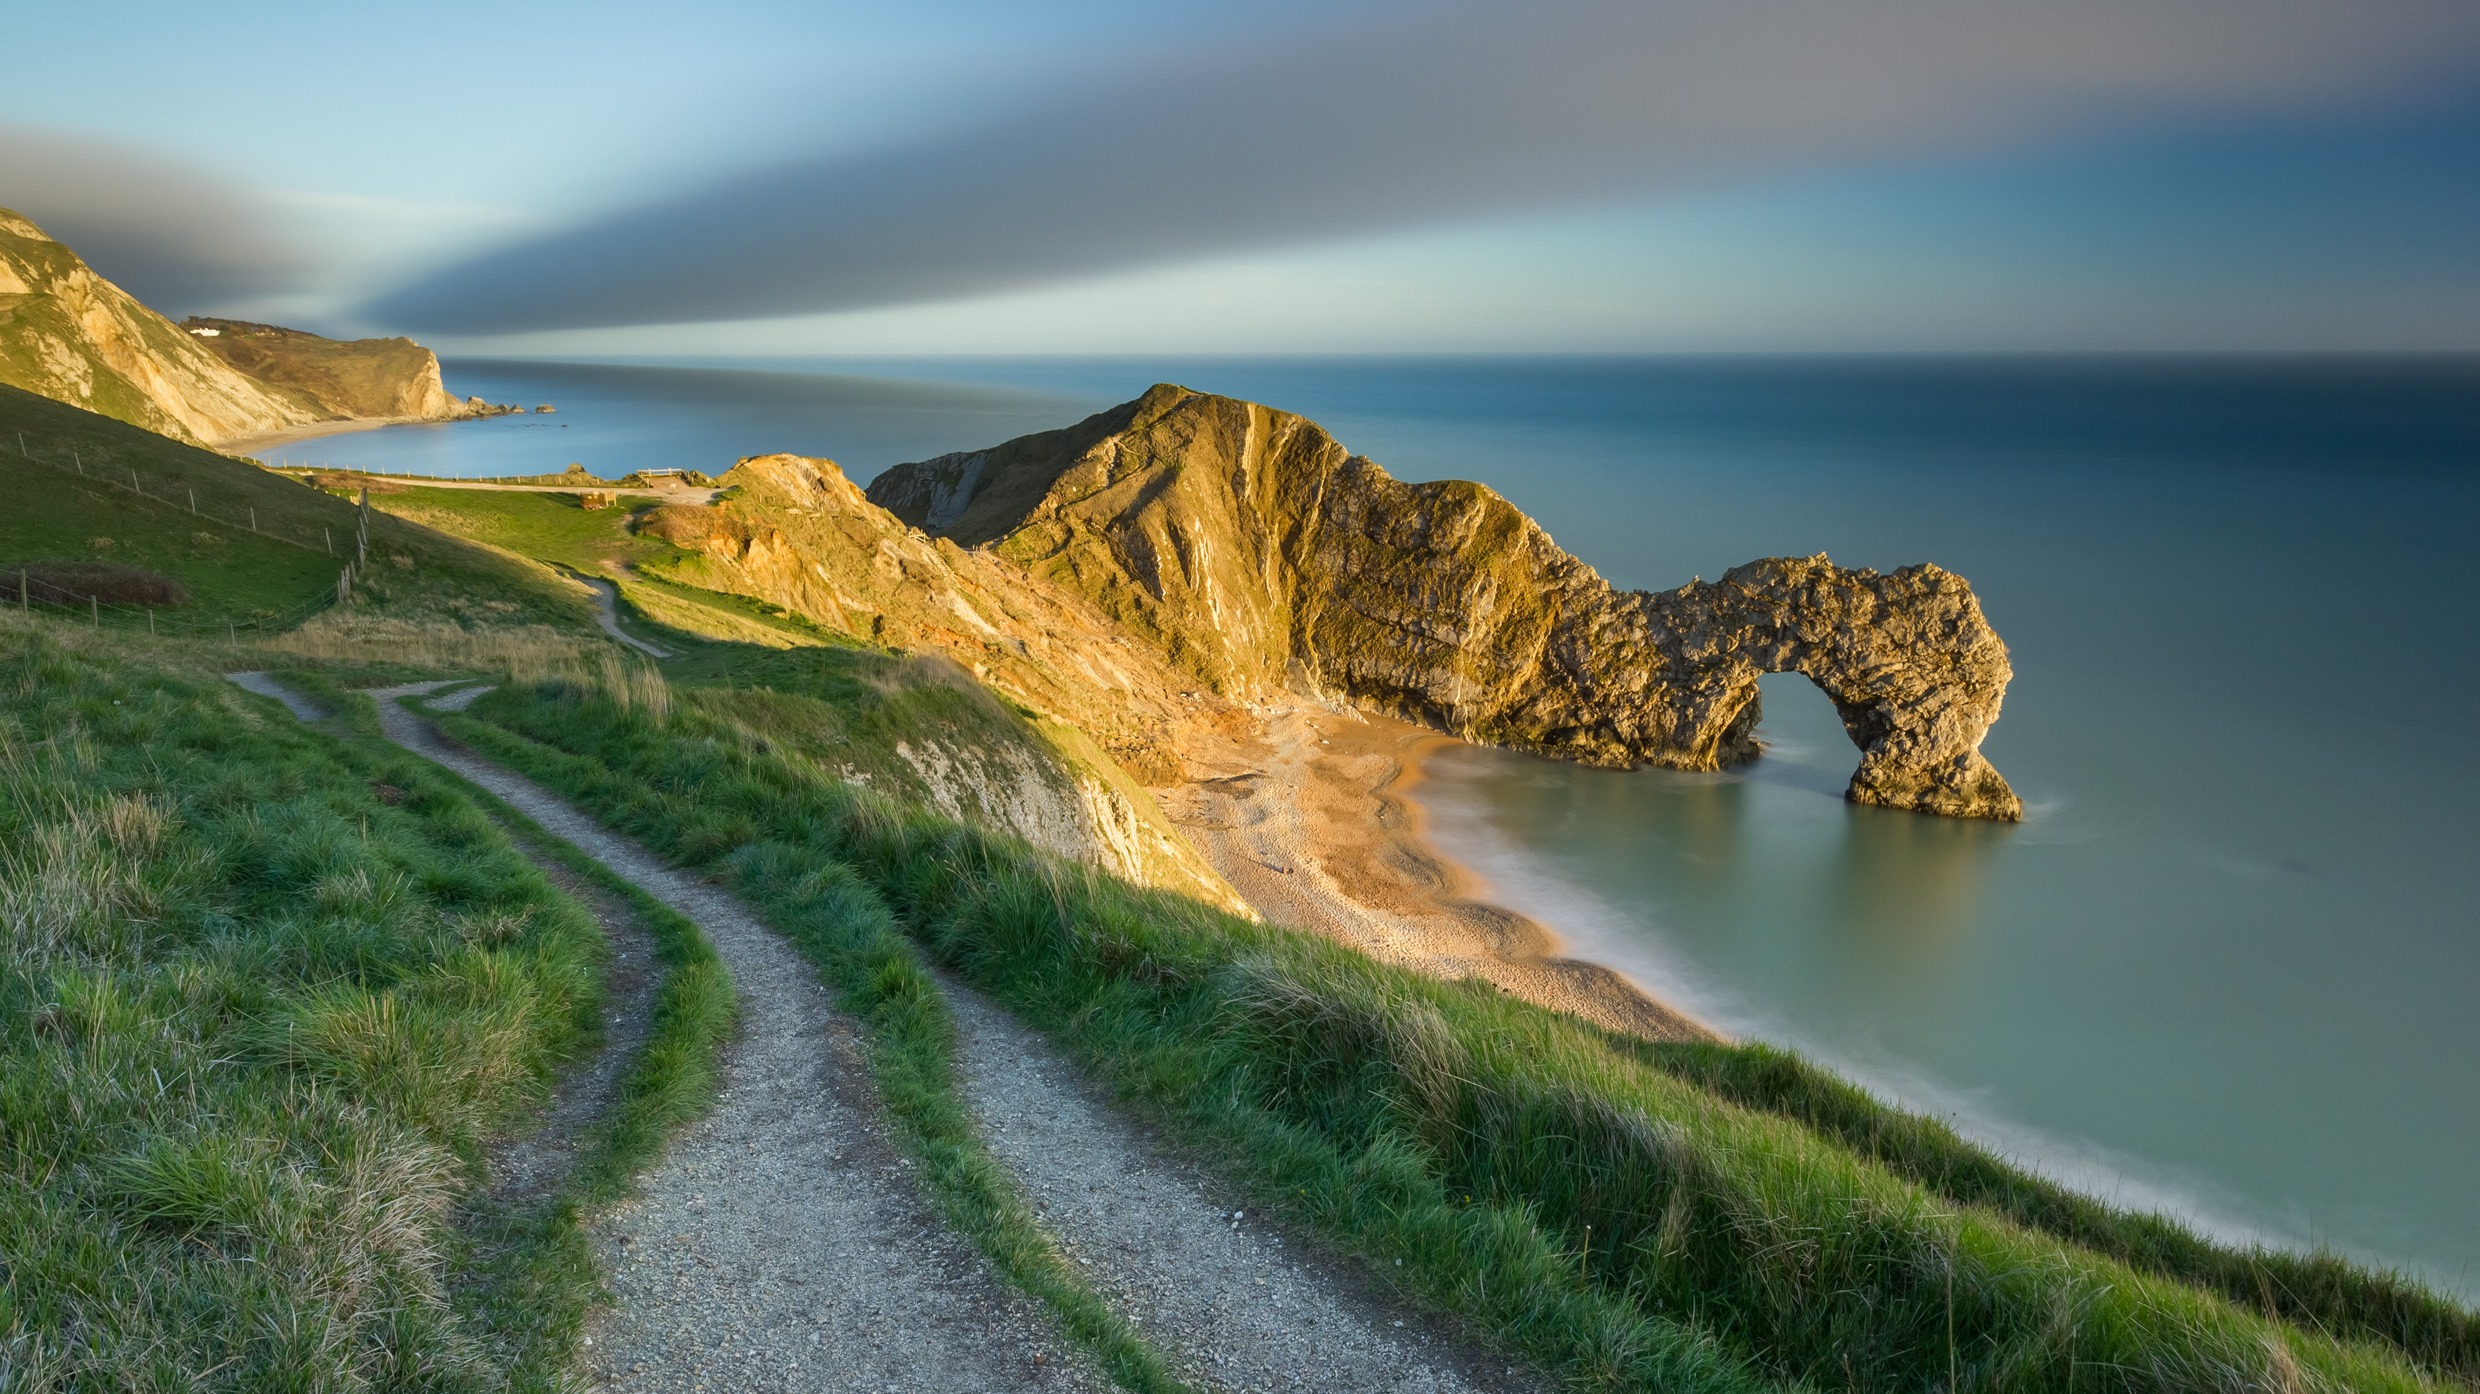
(1258, 555)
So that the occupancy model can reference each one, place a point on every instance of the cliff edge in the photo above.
(1258, 555)
(69, 334)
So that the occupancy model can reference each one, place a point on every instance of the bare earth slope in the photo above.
(71, 335)
(1258, 555)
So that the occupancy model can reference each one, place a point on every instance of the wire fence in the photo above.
(29, 591)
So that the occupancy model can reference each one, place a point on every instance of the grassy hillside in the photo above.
(247, 543)
(263, 997)
(1710, 1219)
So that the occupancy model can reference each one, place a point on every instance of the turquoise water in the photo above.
(2229, 963)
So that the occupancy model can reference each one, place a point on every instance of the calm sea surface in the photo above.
(2230, 963)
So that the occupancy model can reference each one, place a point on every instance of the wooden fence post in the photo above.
(193, 503)
(94, 610)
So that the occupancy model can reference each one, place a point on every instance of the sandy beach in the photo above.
(295, 435)
(1316, 832)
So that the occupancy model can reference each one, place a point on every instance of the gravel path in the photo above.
(1231, 1303)
(779, 1245)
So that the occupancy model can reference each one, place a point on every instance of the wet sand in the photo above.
(1313, 829)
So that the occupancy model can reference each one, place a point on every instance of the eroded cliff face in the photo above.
(71, 335)
(1252, 551)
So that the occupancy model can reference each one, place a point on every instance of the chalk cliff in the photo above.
(69, 334)
(1253, 552)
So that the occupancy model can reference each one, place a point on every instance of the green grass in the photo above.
(1629, 1218)
(267, 993)
(258, 543)
(558, 529)
(264, 998)
(550, 527)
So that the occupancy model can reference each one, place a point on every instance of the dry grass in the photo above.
(525, 652)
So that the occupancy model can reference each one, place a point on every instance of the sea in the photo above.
(2227, 967)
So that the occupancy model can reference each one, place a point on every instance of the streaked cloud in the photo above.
(1404, 117)
(178, 239)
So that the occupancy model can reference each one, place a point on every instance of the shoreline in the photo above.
(1317, 831)
(317, 430)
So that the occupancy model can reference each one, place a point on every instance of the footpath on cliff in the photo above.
(782, 1243)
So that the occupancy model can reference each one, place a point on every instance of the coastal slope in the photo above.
(68, 333)
(1259, 556)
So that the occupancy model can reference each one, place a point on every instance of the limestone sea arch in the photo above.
(1260, 556)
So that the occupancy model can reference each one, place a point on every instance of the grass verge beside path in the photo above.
(264, 998)
(534, 1268)
(1608, 1214)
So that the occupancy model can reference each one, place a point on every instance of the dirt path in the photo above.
(779, 1245)
(607, 614)
(532, 1166)
(1231, 1303)
(266, 686)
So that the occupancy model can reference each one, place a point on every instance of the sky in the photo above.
(1106, 176)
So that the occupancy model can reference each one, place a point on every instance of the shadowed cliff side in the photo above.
(1259, 555)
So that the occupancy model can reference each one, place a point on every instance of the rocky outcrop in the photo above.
(71, 335)
(1253, 552)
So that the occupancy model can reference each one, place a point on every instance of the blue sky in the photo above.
(1103, 176)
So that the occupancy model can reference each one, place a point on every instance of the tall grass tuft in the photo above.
(1618, 1214)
